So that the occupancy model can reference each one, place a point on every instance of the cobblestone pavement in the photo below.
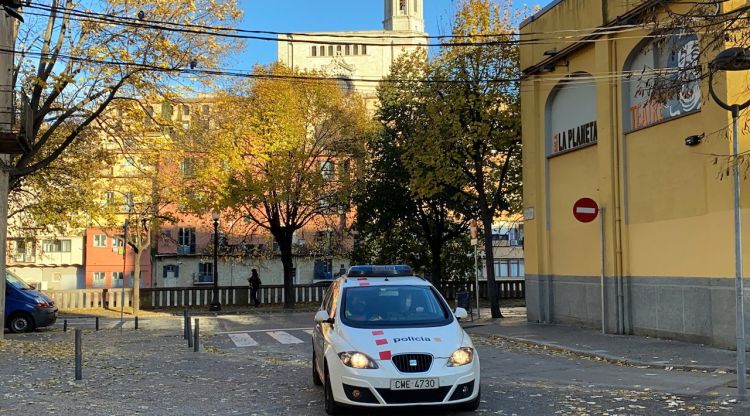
(152, 372)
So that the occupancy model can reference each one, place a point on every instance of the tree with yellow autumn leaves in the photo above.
(269, 152)
(74, 60)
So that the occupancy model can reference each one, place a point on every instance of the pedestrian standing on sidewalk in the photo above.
(255, 283)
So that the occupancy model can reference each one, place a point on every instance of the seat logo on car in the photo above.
(413, 363)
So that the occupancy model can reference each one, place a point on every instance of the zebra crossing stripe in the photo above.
(243, 340)
(309, 331)
(285, 337)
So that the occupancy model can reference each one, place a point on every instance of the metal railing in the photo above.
(91, 298)
(156, 298)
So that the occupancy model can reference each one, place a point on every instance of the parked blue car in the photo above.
(25, 307)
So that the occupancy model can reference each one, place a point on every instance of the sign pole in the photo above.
(603, 266)
(586, 210)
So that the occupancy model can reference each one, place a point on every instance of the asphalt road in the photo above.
(516, 379)
(260, 364)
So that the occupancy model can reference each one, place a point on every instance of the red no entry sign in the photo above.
(585, 210)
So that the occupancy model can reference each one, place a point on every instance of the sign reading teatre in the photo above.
(574, 138)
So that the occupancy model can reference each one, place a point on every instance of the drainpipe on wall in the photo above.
(617, 202)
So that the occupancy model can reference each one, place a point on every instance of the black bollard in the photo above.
(190, 333)
(196, 342)
(136, 323)
(185, 319)
(79, 356)
(97, 323)
(65, 325)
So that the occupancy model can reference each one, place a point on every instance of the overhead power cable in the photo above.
(575, 82)
(93, 17)
(321, 34)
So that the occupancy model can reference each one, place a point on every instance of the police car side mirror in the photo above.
(322, 317)
(461, 313)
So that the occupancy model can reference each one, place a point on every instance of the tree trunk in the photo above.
(436, 266)
(137, 280)
(284, 239)
(489, 258)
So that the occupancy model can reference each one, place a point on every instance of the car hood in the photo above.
(33, 295)
(439, 341)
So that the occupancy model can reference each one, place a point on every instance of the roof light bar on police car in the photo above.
(380, 271)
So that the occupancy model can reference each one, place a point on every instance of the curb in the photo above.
(612, 359)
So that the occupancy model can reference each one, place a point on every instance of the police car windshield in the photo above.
(393, 306)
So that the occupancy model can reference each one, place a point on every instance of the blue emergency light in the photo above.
(369, 270)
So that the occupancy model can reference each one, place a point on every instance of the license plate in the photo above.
(414, 384)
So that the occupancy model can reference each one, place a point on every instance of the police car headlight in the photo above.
(461, 356)
(357, 360)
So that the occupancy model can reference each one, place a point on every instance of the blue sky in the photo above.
(328, 15)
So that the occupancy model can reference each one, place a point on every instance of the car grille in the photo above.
(414, 396)
(412, 363)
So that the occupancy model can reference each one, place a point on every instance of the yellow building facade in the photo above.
(592, 129)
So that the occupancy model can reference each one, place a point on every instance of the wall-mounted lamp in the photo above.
(551, 66)
(548, 68)
(695, 140)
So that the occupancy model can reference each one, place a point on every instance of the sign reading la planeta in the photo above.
(577, 137)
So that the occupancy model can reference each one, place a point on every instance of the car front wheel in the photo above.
(315, 375)
(332, 407)
(20, 323)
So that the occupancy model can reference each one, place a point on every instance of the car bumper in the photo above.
(44, 316)
(372, 388)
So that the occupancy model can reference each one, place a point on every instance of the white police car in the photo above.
(386, 338)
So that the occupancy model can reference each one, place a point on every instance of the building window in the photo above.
(100, 279)
(117, 244)
(171, 271)
(205, 109)
(510, 268)
(314, 51)
(56, 246)
(356, 49)
(327, 169)
(330, 50)
(186, 240)
(109, 198)
(140, 279)
(186, 110)
(116, 279)
(166, 111)
(129, 204)
(322, 50)
(348, 50)
(364, 49)
(205, 273)
(187, 166)
(338, 50)
(416, 6)
(25, 251)
(100, 240)
(402, 6)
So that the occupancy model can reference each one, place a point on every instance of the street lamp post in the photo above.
(735, 59)
(215, 303)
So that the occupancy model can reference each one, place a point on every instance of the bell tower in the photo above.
(404, 15)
